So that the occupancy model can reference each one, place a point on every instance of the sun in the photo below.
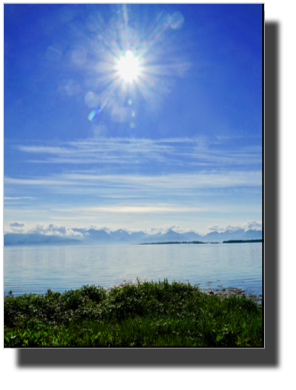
(128, 67)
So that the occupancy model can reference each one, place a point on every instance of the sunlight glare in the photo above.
(128, 67)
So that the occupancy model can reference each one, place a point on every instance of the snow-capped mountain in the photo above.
(101, 236)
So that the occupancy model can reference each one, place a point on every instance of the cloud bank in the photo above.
(80, 232)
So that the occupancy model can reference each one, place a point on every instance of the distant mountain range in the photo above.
(93, 236)
(36, 239)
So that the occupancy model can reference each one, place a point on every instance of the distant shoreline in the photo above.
(240, 241)
(69, 242)
(200, 242)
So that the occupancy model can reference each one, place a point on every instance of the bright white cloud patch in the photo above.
(82, 231)
(54, 230)
(248, 225)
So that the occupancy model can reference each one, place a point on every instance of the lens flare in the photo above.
(94, 113)
(128, 67)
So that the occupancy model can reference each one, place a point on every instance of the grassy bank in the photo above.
(147, 314)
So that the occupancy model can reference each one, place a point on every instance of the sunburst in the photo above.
(130, 63)
(128, 67)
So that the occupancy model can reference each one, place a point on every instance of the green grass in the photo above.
(148, 314)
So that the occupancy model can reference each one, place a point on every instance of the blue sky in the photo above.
(174, 138)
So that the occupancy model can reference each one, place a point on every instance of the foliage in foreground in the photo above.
(142, 315)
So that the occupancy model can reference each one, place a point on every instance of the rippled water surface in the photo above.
(38, 268)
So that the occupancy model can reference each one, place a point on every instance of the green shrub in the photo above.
(149, 314)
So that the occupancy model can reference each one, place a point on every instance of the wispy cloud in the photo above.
(87, 179)
(153, 209)
(171, 151)
(43, 149)
(76, 218)
(133, 209)
(130, 178)
(18, 197)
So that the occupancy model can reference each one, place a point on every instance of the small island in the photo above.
(174, 242)
(240, 241)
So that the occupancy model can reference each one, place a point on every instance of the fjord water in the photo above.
(34, 269)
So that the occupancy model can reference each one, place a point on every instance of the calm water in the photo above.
(38, 268)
